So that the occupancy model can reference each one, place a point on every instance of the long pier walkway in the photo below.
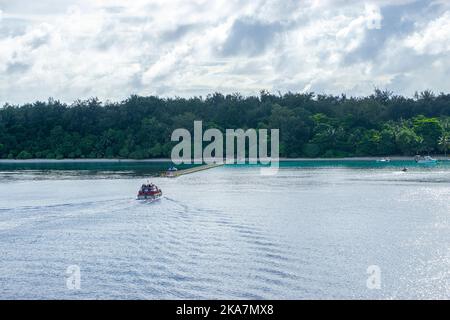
(173, 174)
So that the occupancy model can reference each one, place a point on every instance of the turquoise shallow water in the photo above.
(362, 164)
(139, 168)
(311, 231)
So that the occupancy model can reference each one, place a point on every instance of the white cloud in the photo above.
(434, 38)
(112, 48)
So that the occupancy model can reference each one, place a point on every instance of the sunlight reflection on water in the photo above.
(227, 233)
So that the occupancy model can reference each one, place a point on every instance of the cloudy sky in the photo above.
(70, 49)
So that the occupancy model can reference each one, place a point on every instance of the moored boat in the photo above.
(425, 160)
(171, 172)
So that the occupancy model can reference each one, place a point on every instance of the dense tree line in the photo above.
(310, 125)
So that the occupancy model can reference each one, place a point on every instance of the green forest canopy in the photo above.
(310, 125)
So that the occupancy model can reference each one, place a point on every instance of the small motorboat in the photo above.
(425, 160)
(384, 160)
(149, 191)
(171, 172)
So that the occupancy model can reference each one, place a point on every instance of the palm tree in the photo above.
(333, 134)
(444, 142)
(445, 124)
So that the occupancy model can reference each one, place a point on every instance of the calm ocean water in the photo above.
(309, 232)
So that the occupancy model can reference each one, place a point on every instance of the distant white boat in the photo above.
(171, 172)
(425, 160)
(384, 160)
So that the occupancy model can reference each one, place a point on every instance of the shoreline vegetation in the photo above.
(168, 160)
(311, 126)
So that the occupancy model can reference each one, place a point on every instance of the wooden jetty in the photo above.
(173, 174)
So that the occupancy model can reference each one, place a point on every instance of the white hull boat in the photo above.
(426, 160)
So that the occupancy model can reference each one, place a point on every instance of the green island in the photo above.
(311, 125)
